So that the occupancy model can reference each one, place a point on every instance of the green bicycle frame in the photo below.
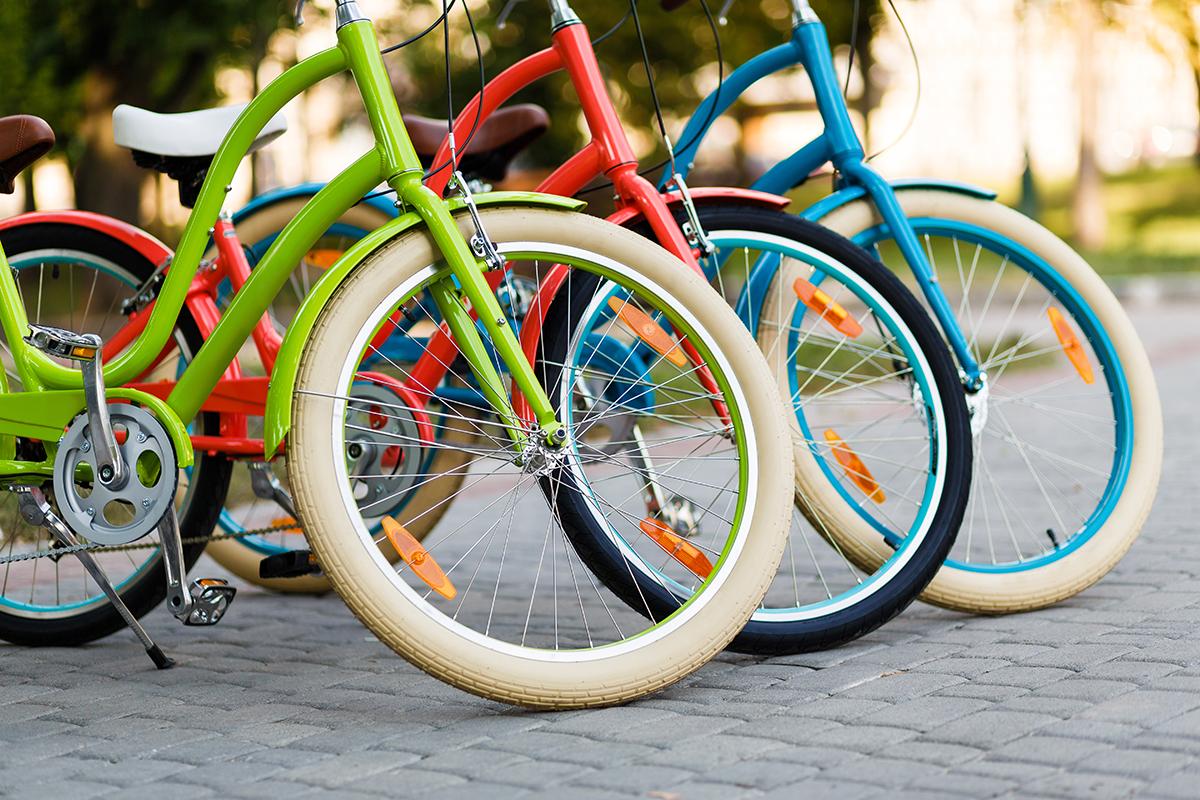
(393, 160)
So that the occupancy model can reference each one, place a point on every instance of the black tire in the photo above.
(777, 638)
(209, 478)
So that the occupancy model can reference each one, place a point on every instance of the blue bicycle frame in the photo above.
(838, 144)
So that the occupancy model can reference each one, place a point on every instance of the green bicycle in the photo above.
(96, 470)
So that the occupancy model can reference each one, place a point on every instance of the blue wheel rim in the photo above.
(140, 570)
(1102, 346)
(771, 261)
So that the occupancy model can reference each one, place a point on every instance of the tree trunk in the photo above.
(105, 177)
(30, 199)
(1192, 35)
(1196, 80)
(1087, 201)
(864, 59)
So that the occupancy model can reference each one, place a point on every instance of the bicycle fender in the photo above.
(827, 205)
(382, 203)
(278, 419)
(708, 194)
(137, 239)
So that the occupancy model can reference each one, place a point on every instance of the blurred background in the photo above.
(1084, 113)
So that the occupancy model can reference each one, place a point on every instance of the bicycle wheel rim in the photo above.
(746, 292)
(1098, 349)
(56, 260)
(529, 251)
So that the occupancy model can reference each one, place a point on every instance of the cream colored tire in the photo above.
(242, 560)
(1001, 593)
(816, 496)
(538, 678)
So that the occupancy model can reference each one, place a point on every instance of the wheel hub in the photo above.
(977, 407)
(540, 459)
(384, 451)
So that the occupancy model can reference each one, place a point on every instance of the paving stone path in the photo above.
(290, 697)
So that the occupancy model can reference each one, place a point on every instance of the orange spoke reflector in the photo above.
(646, 329)
(418, 558)
(854, 467)
(1071, 345)
(323, 258)
(677, 547)
(293, 526)
(827, 308)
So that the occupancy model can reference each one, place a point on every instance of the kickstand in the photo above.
(37, 511)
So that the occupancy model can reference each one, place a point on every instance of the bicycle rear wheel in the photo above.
(76, 278)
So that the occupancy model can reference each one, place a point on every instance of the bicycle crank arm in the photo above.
(37, 511)
(85, 349)
(207, 599)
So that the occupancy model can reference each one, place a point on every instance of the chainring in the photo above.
(108, 515)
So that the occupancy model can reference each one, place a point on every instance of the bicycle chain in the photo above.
(121, 548)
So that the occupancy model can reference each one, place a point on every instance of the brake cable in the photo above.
(712, 111)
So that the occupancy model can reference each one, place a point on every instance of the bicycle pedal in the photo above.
(63, 343)
(211, 598)
(291, 564)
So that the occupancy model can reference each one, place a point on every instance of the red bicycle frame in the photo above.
(235, 396)
(609, 153)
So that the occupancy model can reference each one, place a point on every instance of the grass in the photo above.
(1153, 220)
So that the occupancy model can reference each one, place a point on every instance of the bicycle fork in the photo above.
(469, 267)
(880, 191)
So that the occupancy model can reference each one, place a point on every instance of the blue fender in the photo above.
(826, 205)
(382, 203)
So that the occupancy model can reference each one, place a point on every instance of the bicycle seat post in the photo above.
(803, 13)
(561, 14)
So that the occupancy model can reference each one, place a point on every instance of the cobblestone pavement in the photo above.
(289, 697)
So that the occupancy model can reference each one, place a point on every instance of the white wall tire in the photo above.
(537, 678)
(999, 593)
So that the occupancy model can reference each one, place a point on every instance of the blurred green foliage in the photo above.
(680, 45)
(158, 53)
(73, 61)
(1152, 216)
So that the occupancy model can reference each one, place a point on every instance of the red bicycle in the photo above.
(843, 334)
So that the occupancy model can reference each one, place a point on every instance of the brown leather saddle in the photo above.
(497, 141)
(23, 140)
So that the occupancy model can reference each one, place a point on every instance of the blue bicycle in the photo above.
(1065, 413)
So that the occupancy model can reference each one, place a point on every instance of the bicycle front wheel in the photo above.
(1068, 431)
(877, 416)
(496, 600)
